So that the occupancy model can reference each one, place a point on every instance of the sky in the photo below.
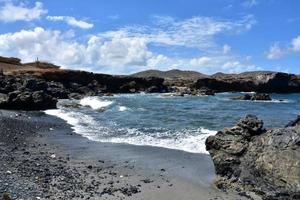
(127, 36)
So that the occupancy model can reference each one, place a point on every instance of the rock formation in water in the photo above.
(254, 97)
(253, 160)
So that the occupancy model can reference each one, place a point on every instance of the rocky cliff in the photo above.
(253, 160)
(262, 82)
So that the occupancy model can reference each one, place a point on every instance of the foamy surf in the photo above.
(87, 127)
(95, 103)
(122, 108)
(191, 144)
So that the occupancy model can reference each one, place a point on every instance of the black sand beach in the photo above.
(42, 158)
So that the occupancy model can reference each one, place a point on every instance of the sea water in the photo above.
(181, 123)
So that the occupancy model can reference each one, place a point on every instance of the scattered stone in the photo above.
(147, 180)
(5, 196)
(90, 167)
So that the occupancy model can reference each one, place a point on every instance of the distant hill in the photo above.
(173, 74)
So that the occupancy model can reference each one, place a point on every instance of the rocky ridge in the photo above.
(40, 90)
(260, 82)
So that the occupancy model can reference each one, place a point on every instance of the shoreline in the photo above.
(49, 161)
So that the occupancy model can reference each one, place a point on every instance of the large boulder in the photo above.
(19, 100)
(250, 159)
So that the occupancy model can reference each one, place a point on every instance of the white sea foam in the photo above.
(122, 108)
(81, 124)
(281, 101)
(188, 143)
(181, 140)
(95, 103)
(65, 116)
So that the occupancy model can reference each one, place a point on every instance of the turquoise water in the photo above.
(171, 122)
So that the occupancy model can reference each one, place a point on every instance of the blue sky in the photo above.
(122, 37)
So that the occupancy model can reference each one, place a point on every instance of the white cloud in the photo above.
(72, 21)
(275, 52)
(131, 49)
(11, 13)
(202, 62)
(196, 32)
(226, 49)
(124, 51)
(250, 3)
(296, 44)
(48, 45)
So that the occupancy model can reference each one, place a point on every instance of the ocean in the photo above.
(181, 123)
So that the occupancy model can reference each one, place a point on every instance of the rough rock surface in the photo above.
(18, 100)
(40, 90)
(253, 160)
(261, 82)
(255, 97)
(295, 122)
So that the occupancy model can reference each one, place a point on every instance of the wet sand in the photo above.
(42, 158)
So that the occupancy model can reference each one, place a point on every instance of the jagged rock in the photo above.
(249, 158)
(34, 84)
(75, 96)
(38, 100)
(255, 97)
(57, 90)
(206, 92)
(261, 97)
(295, 122)
(261, 82)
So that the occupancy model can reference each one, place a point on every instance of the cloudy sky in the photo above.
(126, 36)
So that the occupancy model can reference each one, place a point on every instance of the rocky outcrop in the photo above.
(21, 90)
(254, 97)
(261, 82)
(253, 160)
(18, 100)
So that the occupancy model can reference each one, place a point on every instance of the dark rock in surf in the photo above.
(249, 158)
(207, 92)
(295, 122)
(255, 97)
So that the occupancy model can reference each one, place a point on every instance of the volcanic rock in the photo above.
(18, 100)
(255, 97)
(251, 159)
